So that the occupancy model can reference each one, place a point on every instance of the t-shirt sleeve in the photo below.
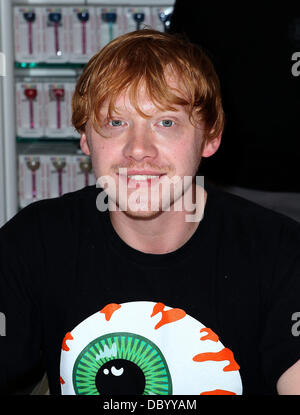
(20, 340)
(280, 347)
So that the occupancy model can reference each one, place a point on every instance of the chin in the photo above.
(139, 211)
(146, 211)
(142, 214)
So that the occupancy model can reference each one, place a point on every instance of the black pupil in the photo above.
(167, 123)
(120, 377)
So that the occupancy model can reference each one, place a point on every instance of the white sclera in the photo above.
(178, 342)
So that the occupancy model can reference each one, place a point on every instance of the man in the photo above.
(156, 285)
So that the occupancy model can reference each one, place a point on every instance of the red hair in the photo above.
(147, 56)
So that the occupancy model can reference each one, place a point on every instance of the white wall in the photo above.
(8, 165)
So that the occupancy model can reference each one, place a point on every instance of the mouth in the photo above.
(142, 178)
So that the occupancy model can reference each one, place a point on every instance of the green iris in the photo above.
(121, 363)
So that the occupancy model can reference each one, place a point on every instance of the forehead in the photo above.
(140, 99)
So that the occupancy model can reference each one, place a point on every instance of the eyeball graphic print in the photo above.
(146, 348)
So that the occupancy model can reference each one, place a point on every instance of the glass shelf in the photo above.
(45, 65)
(48, 70)
(48, 139)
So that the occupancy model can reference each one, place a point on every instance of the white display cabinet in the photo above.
(41, 71)
(8, 157)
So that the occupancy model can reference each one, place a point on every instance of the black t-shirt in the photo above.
(255, 47)
(214, 316)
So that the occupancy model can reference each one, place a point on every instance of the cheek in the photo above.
(196, 152)
(102, 154)
(99, 160)
(186, 158)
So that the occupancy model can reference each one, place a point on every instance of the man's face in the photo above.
(153, 150)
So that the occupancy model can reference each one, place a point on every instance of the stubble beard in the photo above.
(150, 203)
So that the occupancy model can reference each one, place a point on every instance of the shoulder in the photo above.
(52, 213)
(249, 233)
(250, 217)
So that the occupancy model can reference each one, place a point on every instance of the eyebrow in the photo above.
(119, 110)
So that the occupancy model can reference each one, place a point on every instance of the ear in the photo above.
(210, 147)
(84, 145)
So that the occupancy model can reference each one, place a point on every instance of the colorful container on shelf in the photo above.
(43, 176)
(44, 109)
(74, 34)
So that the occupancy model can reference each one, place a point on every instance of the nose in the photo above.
(140, 144)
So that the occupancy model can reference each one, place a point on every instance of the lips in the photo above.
(143, 173)
(142, 177)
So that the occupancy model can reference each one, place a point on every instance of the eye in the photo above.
(145, 348)
(166, 123)
(121, 363)
(115, 123)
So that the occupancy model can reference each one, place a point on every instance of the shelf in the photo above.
(48, 147)
(96, 2)
(51, 70)
(46, 65)
(48, 139)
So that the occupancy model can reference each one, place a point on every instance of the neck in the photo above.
(163, 232)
